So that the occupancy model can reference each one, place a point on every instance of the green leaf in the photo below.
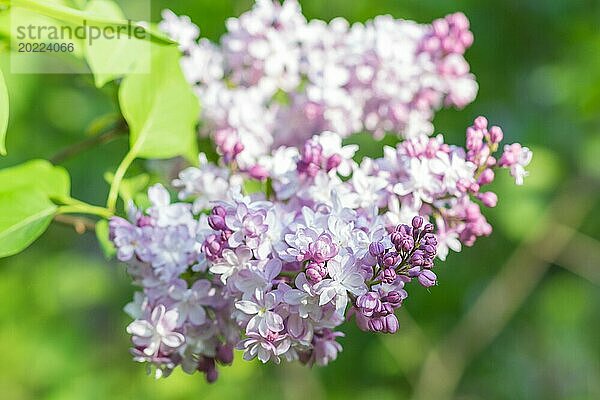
(3, 114)
(102, 232)
(78, 17)
(160, 108)
(49, 179)
(24, 215)
(112, 58)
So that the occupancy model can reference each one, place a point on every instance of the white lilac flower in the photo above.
(158, 332)
(454, 169)
(190, 302)
(232, 262)
(265, 348)
(259, 276)
(420, 184)
(164, 213)
(206, 183)
(179, 28)
(447, 239)
(345, 277)
(305, 298)
(264, 319)
(367, 186)
(172, 250)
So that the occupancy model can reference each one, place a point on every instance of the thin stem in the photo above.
(86, 144)
(81, 224)
(87, 209)
(113, 195)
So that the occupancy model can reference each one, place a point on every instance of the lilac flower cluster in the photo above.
(277, 79)
(275, 272)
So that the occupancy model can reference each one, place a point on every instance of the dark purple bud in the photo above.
(430, 239)
(375, 325)
(390, 259)
(386, 308)
(217, 222)
(427, 278)
(219, 210)
(417, 222)
(368, 303)
(430, 250)
(376, 249)
(404, 229)
(225, 235)
(417, 258)
(394, 298)
(388, 275)
(428, 228)
(207, 365)
(213, 247)
(212, 375)
(391, 323)
(225, 354)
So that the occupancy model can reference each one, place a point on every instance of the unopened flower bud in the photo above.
(427, 278)
(225, 354)
(388, 275)
(417, 222)
(394, 298)
(391, 323)
(217, 222)
(481, 123)
(390, 259)
(376, 249)
(489, 199)
(486, 177)
(496, 134)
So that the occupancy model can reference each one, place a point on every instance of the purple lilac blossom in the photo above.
(274, 273)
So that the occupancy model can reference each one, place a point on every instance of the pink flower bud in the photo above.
(481, 123)
(489, 199)
(496, 134)
(487, 176)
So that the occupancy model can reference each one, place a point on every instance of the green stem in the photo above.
(85, 209)
(113, 195)
(84, 145)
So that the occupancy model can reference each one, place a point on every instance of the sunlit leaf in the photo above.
(24, 215)
(78, 17)
(3, 114)
(160, 108)
(49, 179)
(112, 58)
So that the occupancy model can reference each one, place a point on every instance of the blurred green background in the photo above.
(515, 317)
